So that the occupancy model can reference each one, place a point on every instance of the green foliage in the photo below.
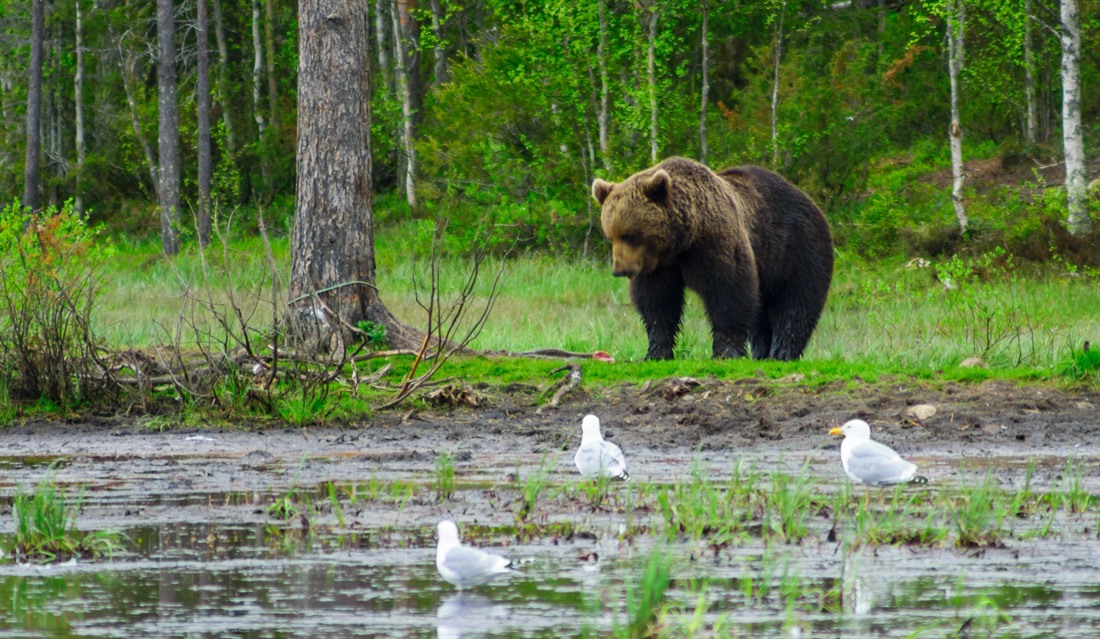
(374, 334)
(444, 476)
(645, 598)
(50, 280)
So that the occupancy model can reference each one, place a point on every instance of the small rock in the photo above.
(794, 378)
(921, 412)
(1086, 405)
(973, 362)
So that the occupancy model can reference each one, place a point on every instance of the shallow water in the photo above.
(203, 558)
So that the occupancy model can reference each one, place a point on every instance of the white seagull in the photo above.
(464, 566)
(598, 457)
(871, 463)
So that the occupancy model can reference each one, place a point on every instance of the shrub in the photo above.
(50, 269)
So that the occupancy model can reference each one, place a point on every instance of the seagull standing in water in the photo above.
(598, 457)
(870, 463)
(463, 566)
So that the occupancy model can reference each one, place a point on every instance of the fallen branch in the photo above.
(566, 385)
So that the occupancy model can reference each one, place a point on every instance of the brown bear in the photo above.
(755, 248)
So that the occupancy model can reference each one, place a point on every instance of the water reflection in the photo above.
(469, 614)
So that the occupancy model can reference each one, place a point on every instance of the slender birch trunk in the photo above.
(383, 11)
(126, 64)
(202, 90)
(1078, 219)
(168, 132)
(439, 50)
(78, 108)
(651, 22)
(602, 118)
(31, 168)
(956, 24)
(257, 69)
(405, 93)
(705, 89)
(223, 77)
(1032, 130)
(775, 85)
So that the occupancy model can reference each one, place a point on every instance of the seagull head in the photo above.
(590, 429)
(856, 429)
(448, 534)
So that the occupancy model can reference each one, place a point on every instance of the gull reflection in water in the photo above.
(468, 614)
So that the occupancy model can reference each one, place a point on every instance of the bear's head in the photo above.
(635, 218)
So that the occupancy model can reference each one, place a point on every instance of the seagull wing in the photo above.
(465, 566)
(874, 464)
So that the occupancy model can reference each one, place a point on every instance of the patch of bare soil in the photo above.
(674, 415)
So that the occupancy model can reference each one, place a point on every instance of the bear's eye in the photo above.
(630, 238)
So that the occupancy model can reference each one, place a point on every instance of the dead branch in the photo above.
(567, 384)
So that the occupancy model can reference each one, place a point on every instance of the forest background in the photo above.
(931, 129)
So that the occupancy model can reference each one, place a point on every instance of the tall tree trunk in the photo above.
(78, 107)
(651, 74)
(332, 279)
(202, 90)
(269, 50)
(603, 118)
(168, 131)
(1032, 131)
(705, 88)
(257, 69)
(126, 63)
(55, 156)
(404, 90)
(1078, 219)
(439, 48)
(775, 85)
(32, 169)
(956, 24)
(383, 11)
(223, 78)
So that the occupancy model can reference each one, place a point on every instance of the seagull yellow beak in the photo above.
(836, 431)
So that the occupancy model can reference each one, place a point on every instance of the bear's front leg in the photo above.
(659, 298)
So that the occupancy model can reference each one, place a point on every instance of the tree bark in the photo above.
(223, 77)
(272, 81)
(405, 92)
(651, 71)
(603, 118)
(78, 108)
(168, 132)
(126, 64)
(439, 49)
(705, 87)
(332, 280)
(1032, 130)
(1069, 33)
(956, 24)
(32, 169)
(382, 17)
(257, 69)
(775, 86)
(202, 90)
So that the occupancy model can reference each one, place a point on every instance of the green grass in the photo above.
(444, 476)
(45, 527)
(880, 316)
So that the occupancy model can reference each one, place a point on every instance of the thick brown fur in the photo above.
(756, 249)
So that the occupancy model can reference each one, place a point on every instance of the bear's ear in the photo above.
(657, 186)
(601, 189)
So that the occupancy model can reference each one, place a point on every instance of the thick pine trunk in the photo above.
(1073, 136)
(956, 23)
(202, 90)
(32, 169)
(332, 281)
(168, 133)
